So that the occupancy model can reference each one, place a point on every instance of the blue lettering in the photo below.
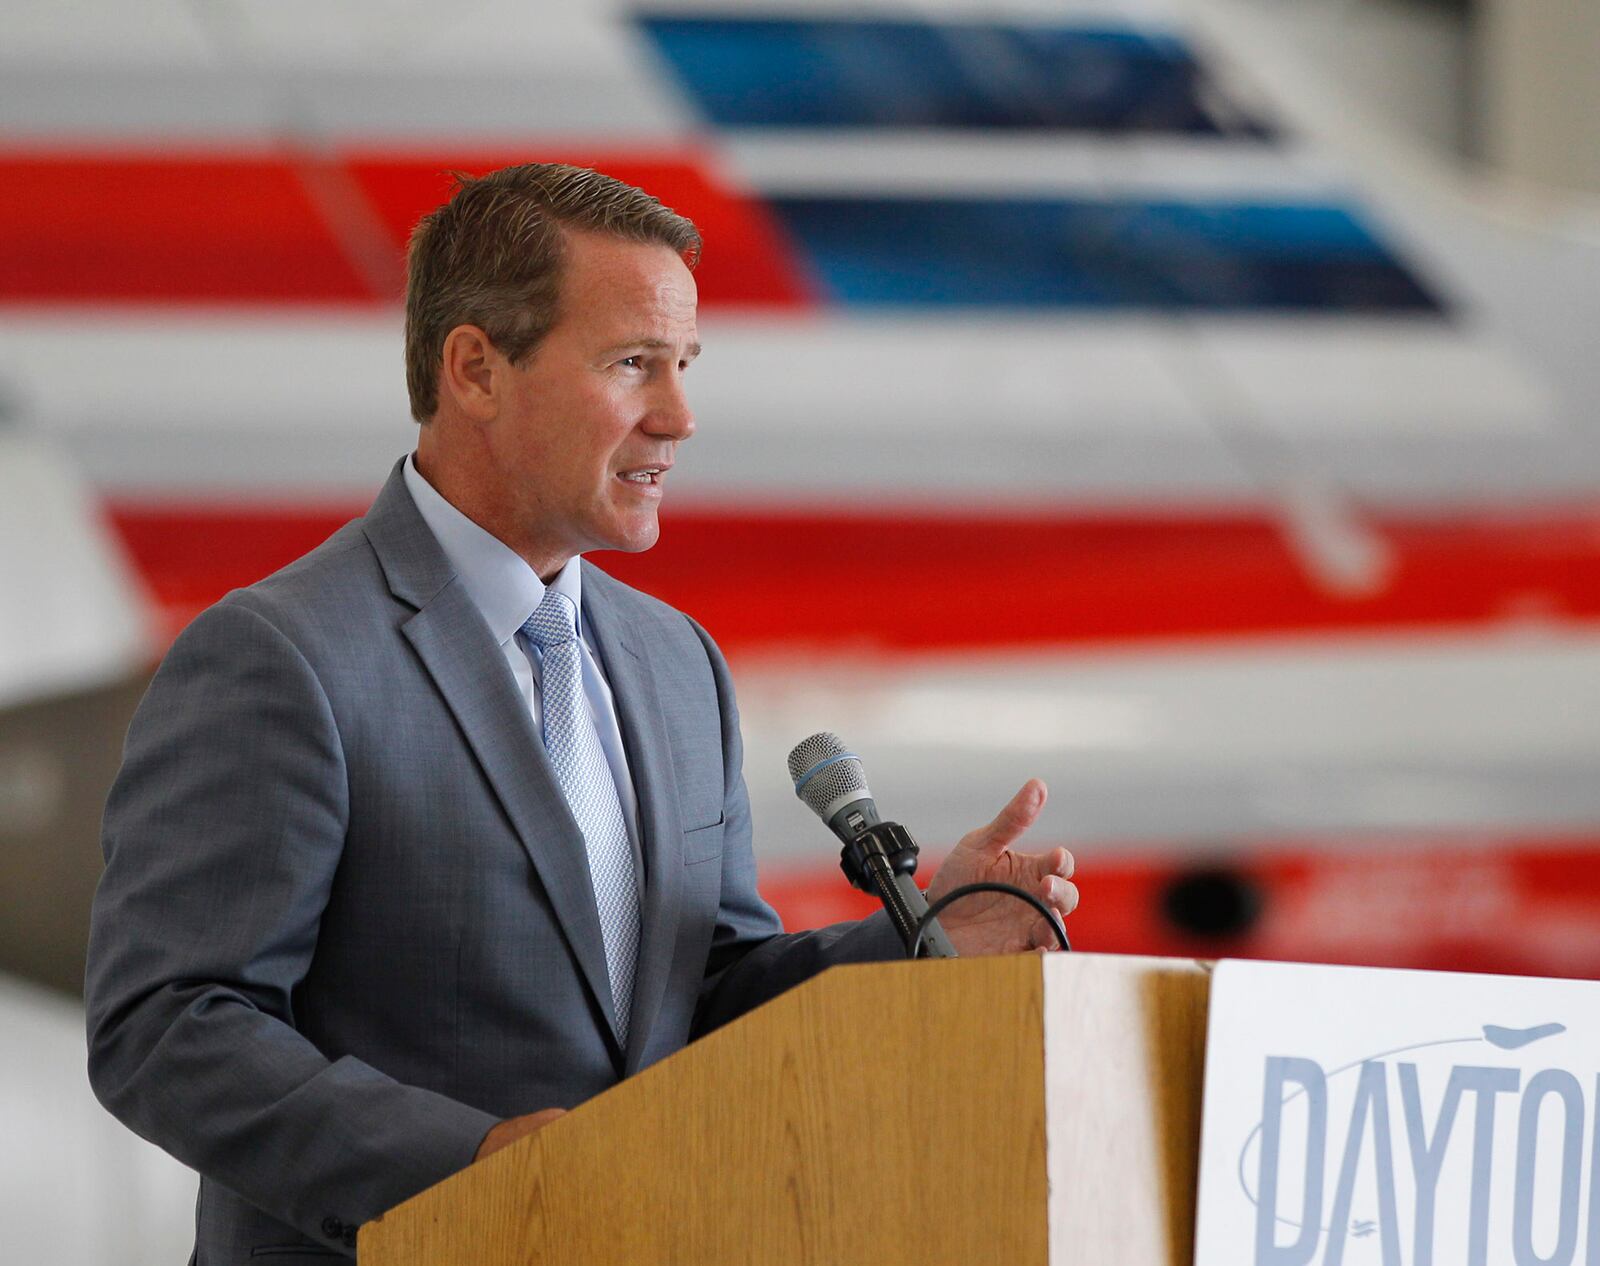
(1427, 1156)
(1592, 1257)
(1282, 1069)
(1487, 1082)
(1552, 1081)
(1372, 1098)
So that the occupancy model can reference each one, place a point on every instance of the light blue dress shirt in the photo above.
(506, 592)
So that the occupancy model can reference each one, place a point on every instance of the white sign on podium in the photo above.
(1371, 1117)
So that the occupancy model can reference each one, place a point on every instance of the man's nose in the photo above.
(671, 415)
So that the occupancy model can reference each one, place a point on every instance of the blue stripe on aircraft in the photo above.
(834, 73)
(1035, 253)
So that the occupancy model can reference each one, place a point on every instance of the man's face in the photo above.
(589, 424)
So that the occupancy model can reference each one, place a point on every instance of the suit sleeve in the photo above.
(752, 959)
(222, 836)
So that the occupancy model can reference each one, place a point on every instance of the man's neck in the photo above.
(445, 477)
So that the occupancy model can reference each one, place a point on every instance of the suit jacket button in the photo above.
(332, 1228)
(350, 1237)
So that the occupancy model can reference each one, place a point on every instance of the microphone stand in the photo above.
(882, 860)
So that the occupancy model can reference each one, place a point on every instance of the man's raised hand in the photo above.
(992, 922)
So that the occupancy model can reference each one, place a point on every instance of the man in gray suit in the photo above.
(440, 830)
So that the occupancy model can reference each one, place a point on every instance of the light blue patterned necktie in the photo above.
(591, 791)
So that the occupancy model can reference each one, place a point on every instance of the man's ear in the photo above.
(467, 374)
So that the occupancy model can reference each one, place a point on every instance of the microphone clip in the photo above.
(880, 851)
(882, 860)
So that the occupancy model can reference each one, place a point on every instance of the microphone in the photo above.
(833, 785)
(878, 857)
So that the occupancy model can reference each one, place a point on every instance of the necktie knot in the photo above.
(554, 621)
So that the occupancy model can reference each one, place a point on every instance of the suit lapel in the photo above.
(470, 671)
(644, 734)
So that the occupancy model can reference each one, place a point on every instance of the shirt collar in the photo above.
(500, 583)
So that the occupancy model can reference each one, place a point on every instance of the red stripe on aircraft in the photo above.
(120, 228)
(273, 227)
(769, 582)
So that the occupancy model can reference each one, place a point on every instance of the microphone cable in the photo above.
(967, 890)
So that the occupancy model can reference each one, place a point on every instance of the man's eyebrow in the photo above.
(654, 345)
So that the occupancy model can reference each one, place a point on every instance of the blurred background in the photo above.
(1190, 402)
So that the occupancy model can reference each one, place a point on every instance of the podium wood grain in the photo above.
(883, 1114)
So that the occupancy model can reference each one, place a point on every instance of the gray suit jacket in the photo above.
(346, 921)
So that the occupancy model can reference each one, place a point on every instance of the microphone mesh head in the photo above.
(811, 752)
(826, 786)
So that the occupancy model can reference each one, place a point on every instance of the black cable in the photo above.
(966, 890)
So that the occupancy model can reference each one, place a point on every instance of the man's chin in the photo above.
(635, 538)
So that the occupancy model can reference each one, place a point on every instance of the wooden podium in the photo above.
(1037, 1109)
